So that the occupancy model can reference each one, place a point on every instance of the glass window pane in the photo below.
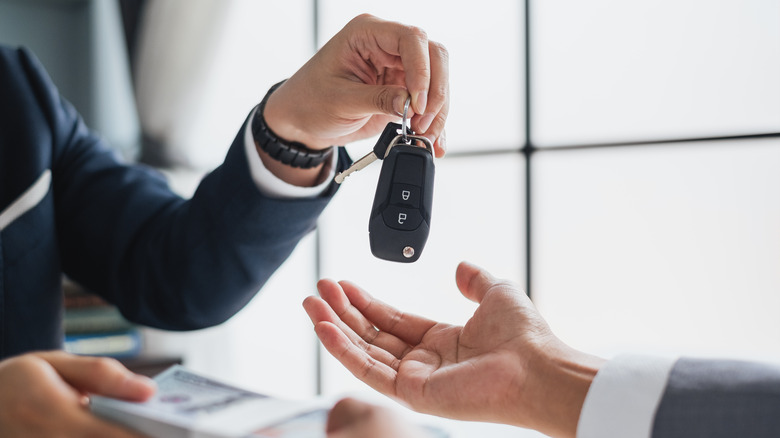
(485, 45)
(612, 71)
(228, 54)
(660, 249)
(477, 216)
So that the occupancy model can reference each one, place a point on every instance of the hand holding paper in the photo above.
(43, 394)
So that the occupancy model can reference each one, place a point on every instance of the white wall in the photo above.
(611, 71)
(668, 248)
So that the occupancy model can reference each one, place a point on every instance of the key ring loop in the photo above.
(424, 140)
(405, 120)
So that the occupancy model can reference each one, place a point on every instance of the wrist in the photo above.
(281, 117)
(282, 149)
(290, 161)
(295, 176)
(557, 386)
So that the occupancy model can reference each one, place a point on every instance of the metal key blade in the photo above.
(357, 165)
(379, 152)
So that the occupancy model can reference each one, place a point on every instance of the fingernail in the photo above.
(469, 264)
(443, 143)
(141, 381)
(398, 105)
(420, 101)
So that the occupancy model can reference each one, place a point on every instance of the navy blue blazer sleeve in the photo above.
(165, 261)
(719, 399)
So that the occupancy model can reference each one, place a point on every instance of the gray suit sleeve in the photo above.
(713, 399)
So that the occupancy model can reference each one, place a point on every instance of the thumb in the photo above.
(100, 375)
(473, 281)
(378, 99)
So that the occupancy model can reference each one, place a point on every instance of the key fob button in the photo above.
(406, 195)
(402, 218)
(409, 169)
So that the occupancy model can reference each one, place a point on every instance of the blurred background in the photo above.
(619, 161)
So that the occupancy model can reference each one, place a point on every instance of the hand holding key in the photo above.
(359, 81)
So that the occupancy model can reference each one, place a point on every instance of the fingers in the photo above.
(338, 301)
(411, 44)
(357, 361)
(363, 99)
(431, 123)
(99, 375)
(390, 100)
(409, 328)
(319, 311)
(425, 67)
(394, 46)
(333, 294)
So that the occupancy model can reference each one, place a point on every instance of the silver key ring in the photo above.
(405, 120)
(424, 140)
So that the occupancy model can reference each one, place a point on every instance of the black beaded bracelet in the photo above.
(292, 153)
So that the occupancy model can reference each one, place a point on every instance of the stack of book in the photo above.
(96, 328)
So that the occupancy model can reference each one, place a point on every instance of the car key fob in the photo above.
(401, 213)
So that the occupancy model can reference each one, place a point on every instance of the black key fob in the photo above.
(401, 214)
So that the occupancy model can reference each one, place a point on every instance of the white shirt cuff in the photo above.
(272, 186)
(624, 396)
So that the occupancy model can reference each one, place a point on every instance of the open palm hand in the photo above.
(477, 371)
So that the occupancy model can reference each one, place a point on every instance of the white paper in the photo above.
(189, 405)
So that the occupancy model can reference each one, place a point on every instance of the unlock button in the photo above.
(405, 194)
(401, 218)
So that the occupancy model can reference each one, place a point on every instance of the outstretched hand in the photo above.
(504, 365)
